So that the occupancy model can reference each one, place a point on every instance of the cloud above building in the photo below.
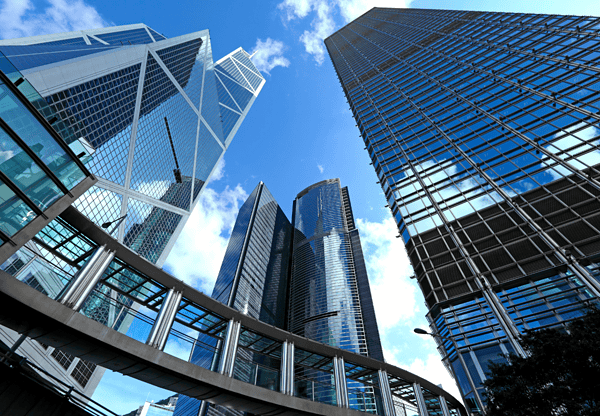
(327, 17)
(268, 54)
(198, 253)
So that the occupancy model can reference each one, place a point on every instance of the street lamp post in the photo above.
(118, 222)
(462, 362)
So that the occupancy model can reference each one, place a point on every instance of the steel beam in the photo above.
(444, 406)
(287, 368)
(420, 400)
(339, 374)
(386, 394)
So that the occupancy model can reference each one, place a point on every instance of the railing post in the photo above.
(339, 374)
(444, 406)
(420, 400)
(87, 278)
(386, 394)
(164, 321)
(230, 348)
(286, 381)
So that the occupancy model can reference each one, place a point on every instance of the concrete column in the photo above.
(444, 406)
(386, 394)
(339, 374)
(87, 278)
(287, 368)
(164, 321)
(230, 348)
(420, 400)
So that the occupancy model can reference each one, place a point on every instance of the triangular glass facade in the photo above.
(121, 111)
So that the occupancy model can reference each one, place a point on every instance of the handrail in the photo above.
(54, 384)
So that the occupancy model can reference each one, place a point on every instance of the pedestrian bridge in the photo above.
(102, 286)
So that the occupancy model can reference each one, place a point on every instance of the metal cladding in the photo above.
(158, 113)
(48, 321)
(482, 128)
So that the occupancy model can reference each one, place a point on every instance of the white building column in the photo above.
(287, 368)
(386, 394)
(339, 374)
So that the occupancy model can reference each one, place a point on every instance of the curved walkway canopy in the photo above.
(55, 323)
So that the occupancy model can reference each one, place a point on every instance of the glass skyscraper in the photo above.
(150, 117)
(158, 114)
(253, 279)
(330, 299)
(483, 130)
(307, 276)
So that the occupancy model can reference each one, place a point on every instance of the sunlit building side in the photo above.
(483, 131)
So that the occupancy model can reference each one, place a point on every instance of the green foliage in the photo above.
(560, 376)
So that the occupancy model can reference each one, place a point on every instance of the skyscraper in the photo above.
(330, 297)
(482, 128)
(253, 278)
(153, 117)
(154, 110)
(307, 276)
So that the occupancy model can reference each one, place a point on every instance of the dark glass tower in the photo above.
(483, 130)
(308, 277)
(253, 279)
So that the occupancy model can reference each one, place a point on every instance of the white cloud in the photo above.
(219, 171)
(6, 155)
(397, 302)
(269, 54)
(321, 168)
(322, 26)
(323, 23)
(432, 369)
(21, 18)
(394, 294)
(351, 9)
(198, 253)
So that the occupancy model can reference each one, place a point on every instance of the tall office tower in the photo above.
(152, 117)
(157, 112)
(330, 299)
(254, 274)
(320, 269)
(483, 130)
(253, 279)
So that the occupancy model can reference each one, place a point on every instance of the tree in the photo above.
(560, 375)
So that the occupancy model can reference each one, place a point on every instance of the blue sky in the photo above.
(298, 132)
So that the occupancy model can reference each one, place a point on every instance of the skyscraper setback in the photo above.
(307, 276)
(483, 130)
(151, 117)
